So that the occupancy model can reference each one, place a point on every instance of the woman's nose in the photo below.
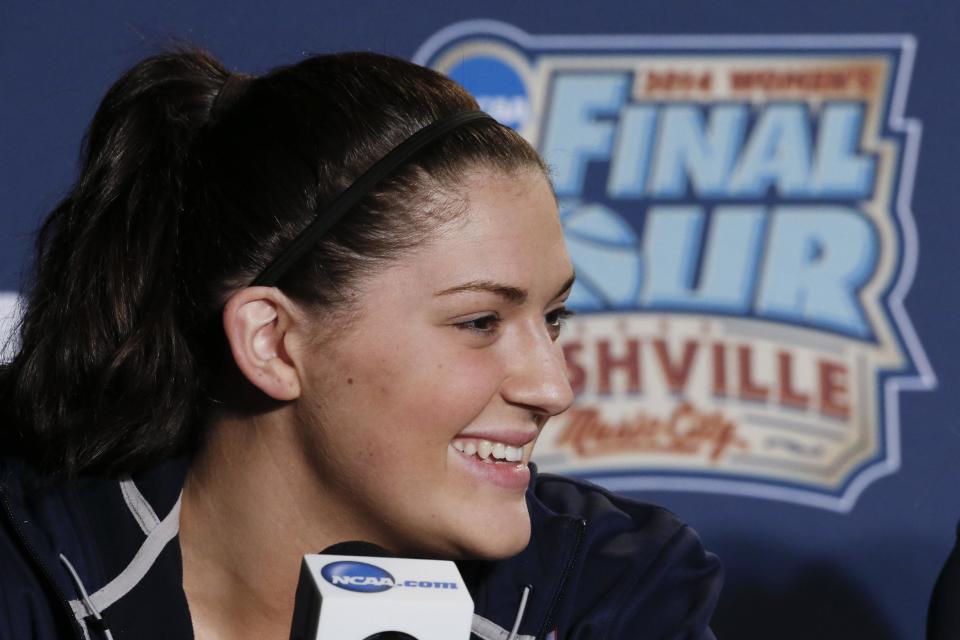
(537, 375)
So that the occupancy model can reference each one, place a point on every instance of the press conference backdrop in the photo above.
(760, 199)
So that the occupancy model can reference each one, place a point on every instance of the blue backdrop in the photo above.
(793, 571)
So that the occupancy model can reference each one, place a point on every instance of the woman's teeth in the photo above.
(489, 451)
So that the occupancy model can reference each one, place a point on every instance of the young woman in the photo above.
(282, 312)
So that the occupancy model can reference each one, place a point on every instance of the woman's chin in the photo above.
(502, 540)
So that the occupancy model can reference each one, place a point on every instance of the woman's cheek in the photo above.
(456, 383)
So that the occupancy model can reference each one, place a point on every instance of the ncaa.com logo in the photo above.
(363, 577)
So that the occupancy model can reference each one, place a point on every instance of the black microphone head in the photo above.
(357, 548)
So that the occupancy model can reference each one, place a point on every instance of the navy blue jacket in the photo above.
(943, 616)
(96, 558)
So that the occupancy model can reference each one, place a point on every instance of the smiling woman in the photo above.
(282, 312)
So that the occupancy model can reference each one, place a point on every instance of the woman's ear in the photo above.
(256, 321)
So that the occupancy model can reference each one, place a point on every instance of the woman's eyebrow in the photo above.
(514, 295)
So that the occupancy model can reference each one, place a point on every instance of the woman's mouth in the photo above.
(499, 463)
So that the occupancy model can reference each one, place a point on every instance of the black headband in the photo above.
(360, 188)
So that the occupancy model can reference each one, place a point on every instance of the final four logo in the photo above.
(737, 210)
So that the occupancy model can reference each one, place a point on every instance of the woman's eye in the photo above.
(556, 319)
(484, 325)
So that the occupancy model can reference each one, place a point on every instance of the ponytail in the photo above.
(105, 379)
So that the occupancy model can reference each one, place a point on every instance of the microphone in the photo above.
(359, 591)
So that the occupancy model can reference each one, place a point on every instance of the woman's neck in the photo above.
(251, 509)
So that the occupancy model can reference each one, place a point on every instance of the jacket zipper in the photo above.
(38, 563)
(548, 620)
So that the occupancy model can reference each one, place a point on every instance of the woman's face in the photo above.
(422, 412)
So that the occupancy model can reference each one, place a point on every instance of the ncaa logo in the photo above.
(357, 576)
(498, 79)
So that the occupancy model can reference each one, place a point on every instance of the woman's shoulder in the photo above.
(943, 616)
(63, 537)
(615, 523)
(575, 497)
(28, 611)
(639, 570)
(25, 593)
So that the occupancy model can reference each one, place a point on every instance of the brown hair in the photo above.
(179, 203)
